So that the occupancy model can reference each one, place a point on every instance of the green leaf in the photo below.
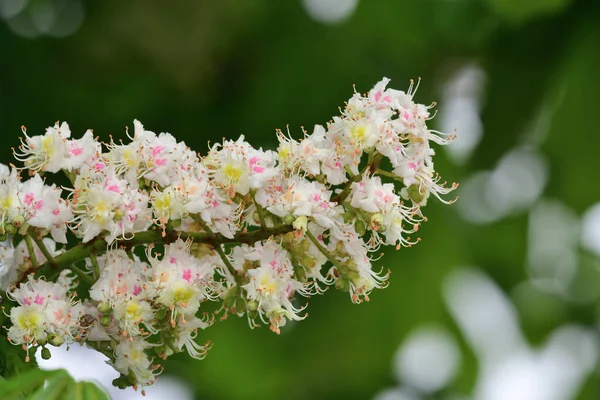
(38, 384)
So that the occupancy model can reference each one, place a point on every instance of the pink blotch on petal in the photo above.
(187, 274)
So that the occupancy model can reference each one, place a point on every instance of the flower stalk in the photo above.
(162, 230)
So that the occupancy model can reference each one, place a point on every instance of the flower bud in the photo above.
(301, 223)
(46, 353)
(307, 261)
(230, 298)
(105, 320)
(289, 238)
(252, 305)
(289, 219)
(300, 273)
(416, 194)
(10, 229)
(240, 304)
(304, 245)
(377, 222)
(342, 284)
(353, 276)
(229, 302)
(55, 340)
(160, 314)
(121, 382)
(18, 221)
(349, 216)
(104, 307)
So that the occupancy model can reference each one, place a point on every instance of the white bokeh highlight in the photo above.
(460, 111)
(396, 393)
(590, 229)
(428, 360)
(31, 19)
(330, 11)
(513, 186)
(552, 246)
(10, 8)
(509, 368)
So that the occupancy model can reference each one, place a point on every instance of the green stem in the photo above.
(95, 266)
(228, 264)
(374, 159)
(389, 175)
(30, 249)
(220, 251)
(82, 275)
(99, 245)
(44, 249)
(323, 250)
(350, 173)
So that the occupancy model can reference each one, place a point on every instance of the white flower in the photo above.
(44, 309)
(130, 356)
(272, 284)
(45, 153)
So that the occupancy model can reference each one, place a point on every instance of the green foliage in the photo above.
(38, 384)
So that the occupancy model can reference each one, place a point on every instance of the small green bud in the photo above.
(416, 194)
(256, 218)
(301, 223)
(289, 219)
(252, 305)
(160, 314)
(350, 265)
(307, 261)
(121, 382)
(18, 221)
(300, 273)
(55, 340)
(104, 307)
(377, 222)
(46, 353)
(353, 276)
(342, 284)
(229, 302)
(305, 245)
(105, 320)
(10, 229)
(240, 305)
(348, 216)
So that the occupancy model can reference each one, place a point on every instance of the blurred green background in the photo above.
(518, 78)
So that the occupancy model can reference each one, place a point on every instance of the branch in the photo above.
(31, 250)
(99, 245)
